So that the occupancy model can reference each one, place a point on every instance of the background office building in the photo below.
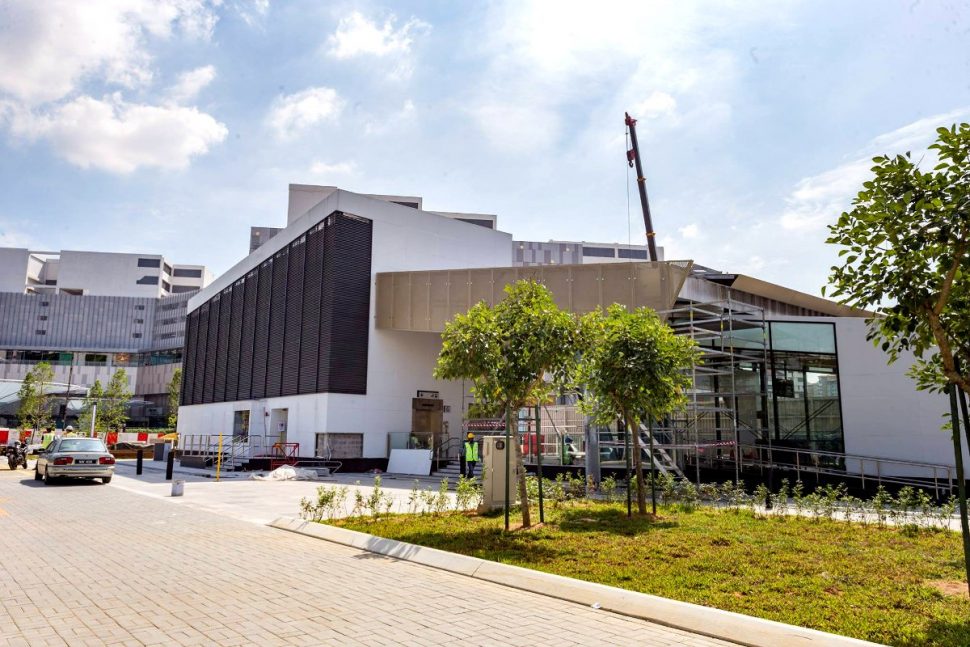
(88, 314)
(327, 333)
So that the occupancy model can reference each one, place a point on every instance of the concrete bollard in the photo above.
(178, 487)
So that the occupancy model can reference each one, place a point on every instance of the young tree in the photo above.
(174, 391)
(633, 366)
(35, 405)
(906, 254)
(95, 393)
(518, 352)
(113, 408)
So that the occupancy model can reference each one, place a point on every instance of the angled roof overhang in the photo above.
(768, 290)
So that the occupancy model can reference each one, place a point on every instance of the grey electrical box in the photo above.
(497, 458)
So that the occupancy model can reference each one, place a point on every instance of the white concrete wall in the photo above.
(399, 363)
(13, 269)
(107, 274)
(882, 412)
(191, 281)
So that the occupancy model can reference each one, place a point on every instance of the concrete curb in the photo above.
(706, 621)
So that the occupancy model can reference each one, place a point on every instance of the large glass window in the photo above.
(803, 337)
(806, 409)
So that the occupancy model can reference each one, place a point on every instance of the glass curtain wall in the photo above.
(803, 392)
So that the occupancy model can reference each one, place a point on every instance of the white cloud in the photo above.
(394, 121)
(189, 84)
(113, 135)
(293, 113)
(630, 56)
(917, 135)
(252, 11)
(657, 105)
(689, 231)
(339, 168)
(48, 48)
(357, 35)
(14, 237)
(818, 200)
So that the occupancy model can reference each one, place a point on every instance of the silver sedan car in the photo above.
(75, 457)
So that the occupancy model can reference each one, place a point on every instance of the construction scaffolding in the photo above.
(727, 400)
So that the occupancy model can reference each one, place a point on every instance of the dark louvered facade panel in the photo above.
(277, 324)
(261, 338)
(211, 350)
(296, 324)
(350, 280)
(235, 334)
(200, 350)
(246, 342)
(222, 356)
(310, 325)
(330, 263)
(294, 313)
(188, 361)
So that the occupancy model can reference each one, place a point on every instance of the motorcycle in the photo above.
(17, 455)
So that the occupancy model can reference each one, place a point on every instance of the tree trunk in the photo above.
(634, 431)
(961, 483)
(523, 490)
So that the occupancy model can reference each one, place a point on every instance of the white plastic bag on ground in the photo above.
(288, 473)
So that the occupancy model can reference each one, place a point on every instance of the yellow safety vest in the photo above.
(471, 451)
(46, 440)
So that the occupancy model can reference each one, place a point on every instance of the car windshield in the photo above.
(81, 445)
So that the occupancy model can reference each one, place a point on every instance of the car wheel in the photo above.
(47, 478)
(37, 476)
(106, 479)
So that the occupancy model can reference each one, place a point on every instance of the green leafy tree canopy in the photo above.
(517, 352)
(35, 405)
(95, 393)
(174, 391)
(114, 405)
(906, 253)
(633, 366)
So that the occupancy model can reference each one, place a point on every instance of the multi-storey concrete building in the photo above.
(90, 313)
(327, 334)
(97, 274)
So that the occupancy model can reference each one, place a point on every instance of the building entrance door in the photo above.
(278, 424)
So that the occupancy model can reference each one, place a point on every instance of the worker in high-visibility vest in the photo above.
(471, 455)
(47, 438)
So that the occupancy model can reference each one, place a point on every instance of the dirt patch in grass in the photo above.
(954, 588)
(861, 581)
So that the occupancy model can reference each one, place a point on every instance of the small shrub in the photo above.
(441, 498)
(882, 505)
(467, 494)
(762, 496)
(608, 489)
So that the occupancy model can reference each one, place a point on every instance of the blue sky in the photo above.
(171, 126)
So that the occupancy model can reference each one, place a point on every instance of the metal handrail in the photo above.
(440, 451)
(940, 472)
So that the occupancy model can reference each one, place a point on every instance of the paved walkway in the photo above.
(87, 564)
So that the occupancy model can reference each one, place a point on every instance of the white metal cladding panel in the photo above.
(76, 322)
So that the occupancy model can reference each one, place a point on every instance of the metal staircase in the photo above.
(662, 461)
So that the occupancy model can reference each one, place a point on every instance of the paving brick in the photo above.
(132, 570)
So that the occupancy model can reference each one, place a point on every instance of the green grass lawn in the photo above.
(864, 582)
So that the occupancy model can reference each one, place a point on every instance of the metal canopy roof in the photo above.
(425, 301)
